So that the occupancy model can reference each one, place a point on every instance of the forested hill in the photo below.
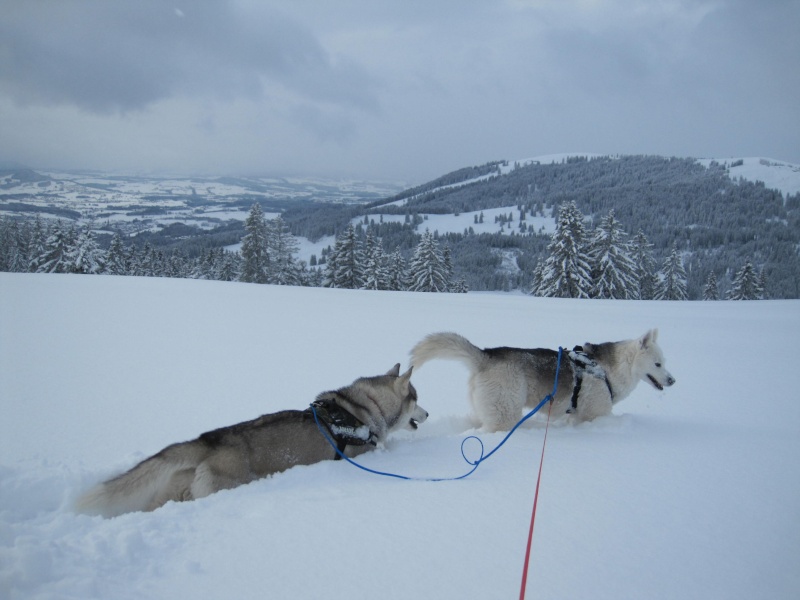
(494, 223)
(717, 222)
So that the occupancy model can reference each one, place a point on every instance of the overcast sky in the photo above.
(400, 90)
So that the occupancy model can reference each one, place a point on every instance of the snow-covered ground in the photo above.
(435, 222)
(688, 493)
(462, 221)
(775, 174)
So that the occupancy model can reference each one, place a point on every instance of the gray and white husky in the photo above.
(591, 379)
(356, 418)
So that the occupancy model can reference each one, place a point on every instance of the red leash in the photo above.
(533, 513)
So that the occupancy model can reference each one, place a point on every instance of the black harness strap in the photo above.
(340, 446)
(344, 428)
(576, 389)
(583, 363)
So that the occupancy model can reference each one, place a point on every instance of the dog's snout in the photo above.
(670, 380)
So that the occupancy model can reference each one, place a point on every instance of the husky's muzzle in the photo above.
(657, 384)
(414, 423)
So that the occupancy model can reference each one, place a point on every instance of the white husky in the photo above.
(591, 379)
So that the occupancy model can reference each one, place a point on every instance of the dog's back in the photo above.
(541, 362)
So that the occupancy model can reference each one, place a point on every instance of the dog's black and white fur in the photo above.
(505, 380)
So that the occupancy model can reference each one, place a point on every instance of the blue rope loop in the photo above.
(474, 464)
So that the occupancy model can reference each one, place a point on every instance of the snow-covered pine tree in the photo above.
(746, 285)
(36, 244)
(5, 243)
(566, 272)
(536, 278)
(376, 277)
(371, 264)
(304, 274)
(227, 268)
(16, 247)
(396, 270)
(613, 268)
(177, 265)
(133, 258)
(345, 262)
(146, 262)
(711, 289)
(59, 239)
(31, 240)
(645, 266)
(84, 255)
(329, 270)
(282, 247)
(315, 277)
(459, 286)
(255, 257)
(448, 267)
(426, 271)
(203, 265)
(672, 285)
(157, 263)
(116, 260)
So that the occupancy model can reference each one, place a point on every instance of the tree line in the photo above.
(579, 263)
(268, 256)
(604, 263)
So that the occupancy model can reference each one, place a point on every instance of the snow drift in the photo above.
(689, 493)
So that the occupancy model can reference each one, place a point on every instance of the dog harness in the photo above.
(582, 363)
(345, 429)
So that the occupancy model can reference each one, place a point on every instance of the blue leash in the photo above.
(475, 464)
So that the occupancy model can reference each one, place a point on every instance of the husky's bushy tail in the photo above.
(448, 346)
(137, 489)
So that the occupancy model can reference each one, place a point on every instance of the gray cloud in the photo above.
(392, 89)
(120, 56)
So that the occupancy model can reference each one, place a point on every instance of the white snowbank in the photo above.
(687, 493)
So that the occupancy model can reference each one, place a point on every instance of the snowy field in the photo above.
(775, 174)
(691, 493)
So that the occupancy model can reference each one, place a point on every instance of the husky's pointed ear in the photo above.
(649, 338)
(404, 381)
(394, 371)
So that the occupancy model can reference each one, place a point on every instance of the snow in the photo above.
(435, 222)
(688, 493)
(306, 248)
(775, 174)
(450, 223)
